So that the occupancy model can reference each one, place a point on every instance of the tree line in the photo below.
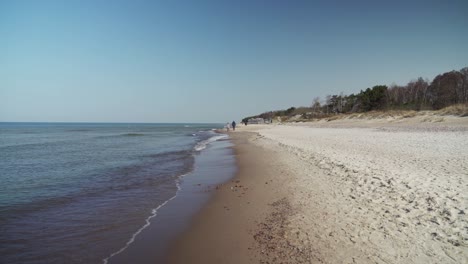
(446, 89)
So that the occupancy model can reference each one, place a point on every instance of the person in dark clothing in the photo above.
(233, 124)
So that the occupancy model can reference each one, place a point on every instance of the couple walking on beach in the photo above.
(233, 125)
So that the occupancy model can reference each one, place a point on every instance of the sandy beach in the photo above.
(348, 191)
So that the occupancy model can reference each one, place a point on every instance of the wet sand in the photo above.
(377, 192)
(212, 167)
(224, 231)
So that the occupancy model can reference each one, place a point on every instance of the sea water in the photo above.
(79, 192)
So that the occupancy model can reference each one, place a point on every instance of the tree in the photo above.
(290, 110)
(373, 99)
(416, 92)
(446, 89)
(316, 104)
(464, 73)
(350, 103)
(327, 104)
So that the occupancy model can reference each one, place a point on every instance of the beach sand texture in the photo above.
(374, 193)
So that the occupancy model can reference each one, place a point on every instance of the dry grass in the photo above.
(335, 117)
(428, 116)
(376, 115)
(456, 110)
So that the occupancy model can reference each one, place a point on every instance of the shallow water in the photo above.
(75, 193)
(212, 167)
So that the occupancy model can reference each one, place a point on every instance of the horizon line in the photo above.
(106, 122)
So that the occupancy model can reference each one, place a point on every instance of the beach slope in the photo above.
(339, 193)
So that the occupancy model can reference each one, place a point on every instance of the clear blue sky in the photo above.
(213, 61)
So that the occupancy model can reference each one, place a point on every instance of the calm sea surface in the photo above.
(70, 192)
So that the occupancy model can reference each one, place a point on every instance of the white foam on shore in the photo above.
(202, 144)
(199, 147)
(154, 213)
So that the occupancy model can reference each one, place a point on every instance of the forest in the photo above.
(446, 89)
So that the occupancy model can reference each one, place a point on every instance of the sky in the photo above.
(213, 61)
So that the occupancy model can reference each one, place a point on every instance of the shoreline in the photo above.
(331, 193)
(226, 222)
(212, 166)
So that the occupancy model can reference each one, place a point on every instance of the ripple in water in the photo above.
(73, 192)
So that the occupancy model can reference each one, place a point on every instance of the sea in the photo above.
(96, 192)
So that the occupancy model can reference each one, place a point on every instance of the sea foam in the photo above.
(202, 144)
(199, 147)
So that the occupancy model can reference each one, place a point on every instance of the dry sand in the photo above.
(367, 191)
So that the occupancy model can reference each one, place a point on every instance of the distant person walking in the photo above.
(227, 126)
(233, 124)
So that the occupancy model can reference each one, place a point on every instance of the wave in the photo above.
(198, 147)
(14, 211)
(203, 144)
(78, 130)
(122, 135)
(164, 166)
(154, 213)
(132, 134)
(169, 155)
